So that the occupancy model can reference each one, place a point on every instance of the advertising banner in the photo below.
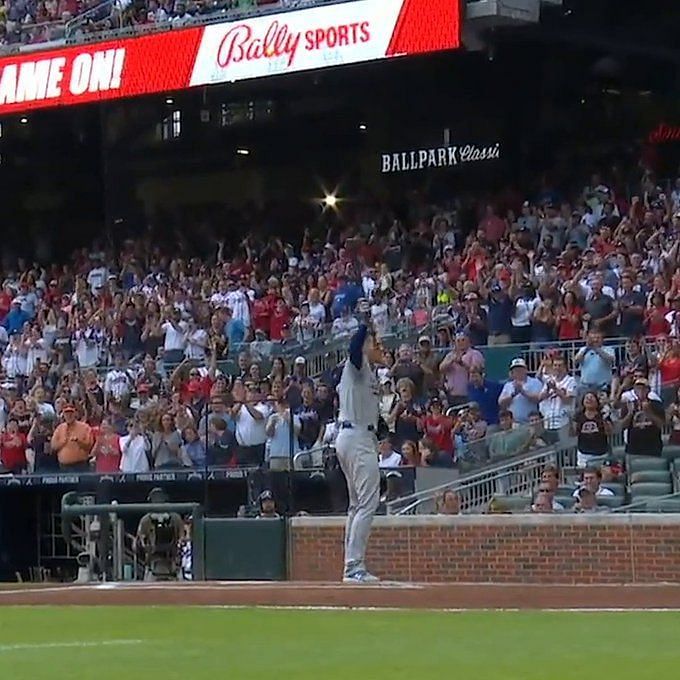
(272, 44)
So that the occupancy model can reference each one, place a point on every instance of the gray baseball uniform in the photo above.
(357, 451)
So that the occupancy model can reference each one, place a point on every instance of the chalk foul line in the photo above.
(68, 645)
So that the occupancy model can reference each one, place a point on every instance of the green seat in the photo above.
(639, 463)
(619, 488)
(663, 505)
(619, 451)
(502, 503)
(652, 504)
(671, 451)
(566, 489)
(650, 489)
(610, 501)
(650, 476)
(567, 502)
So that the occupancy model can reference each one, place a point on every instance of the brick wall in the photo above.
(562, 549)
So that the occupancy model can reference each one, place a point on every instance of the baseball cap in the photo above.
(301, 361)
(69, 408)
(266, 495)
(518, 363)
(641, 381)
(424, 338)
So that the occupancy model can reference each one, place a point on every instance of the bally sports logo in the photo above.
(240, 43)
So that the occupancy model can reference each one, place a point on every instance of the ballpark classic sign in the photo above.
(439, 157)
(255, 47)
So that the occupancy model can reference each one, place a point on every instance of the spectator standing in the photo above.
(167, 447)
(279, 437)
(592, 430)
(405, 367)
(118, 382)
(174, 330)
(13, 448)
(568, 317)
(194, 446)
(557, 401)
(311, 428)
(596, 363)
(525, 301)
(485, 393)
(135, 450)
(521, 393)
(429, 362)
(475, 320)
(106, 449)
(250, 414)
(72, 440)
(643, 419)
(406, 416)
(438, 427)
(631, 304)
(499, 317)
(600, 310)
(221, 447)
(456, 367)
(39, 436)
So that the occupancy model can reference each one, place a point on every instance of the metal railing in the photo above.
(476, 490)
(667, 503)
(101, 12)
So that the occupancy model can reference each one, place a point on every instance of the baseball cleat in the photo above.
(360, 576)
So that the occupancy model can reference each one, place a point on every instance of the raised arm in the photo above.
(356, 346)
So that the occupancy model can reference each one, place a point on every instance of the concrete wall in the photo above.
(566, 549)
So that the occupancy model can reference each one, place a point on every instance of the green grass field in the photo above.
(195, 644)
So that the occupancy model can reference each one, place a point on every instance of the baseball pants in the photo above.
(357, 453)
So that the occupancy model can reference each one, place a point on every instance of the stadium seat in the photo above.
(663, 505)
(567, 502)
(511, 503)
(639, 463)
(650, 476)
(611, 501)
(671, 451)
(650, 489)
(619, 488)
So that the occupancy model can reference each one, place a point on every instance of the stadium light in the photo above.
(23, 120)
(330, 201)
(243, 152)
(169, 101)
(363, 127)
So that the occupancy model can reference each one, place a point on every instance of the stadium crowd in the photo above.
(130, 358)
(30, 22)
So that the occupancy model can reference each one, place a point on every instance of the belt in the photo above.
(345, 425)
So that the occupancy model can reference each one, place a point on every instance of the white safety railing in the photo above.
(518, 476)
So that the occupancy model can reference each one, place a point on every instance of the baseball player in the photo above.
(356, 447)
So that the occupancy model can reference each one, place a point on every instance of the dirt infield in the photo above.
(385, 595)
